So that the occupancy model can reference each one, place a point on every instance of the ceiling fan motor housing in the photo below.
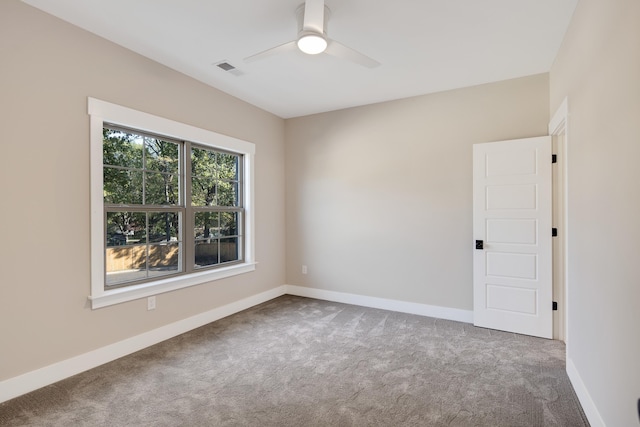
(300, 18)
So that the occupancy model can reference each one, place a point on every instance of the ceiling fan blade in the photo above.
(288, 46)
(313, 16)
(341, 51)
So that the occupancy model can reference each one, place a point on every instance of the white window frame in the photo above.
(102, 112)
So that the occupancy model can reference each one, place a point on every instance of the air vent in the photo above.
(224, 65)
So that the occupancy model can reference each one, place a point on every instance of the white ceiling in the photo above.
(424, 46)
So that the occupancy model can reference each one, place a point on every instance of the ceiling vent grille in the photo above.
(224, 65)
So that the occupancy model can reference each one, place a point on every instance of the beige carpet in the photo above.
(303, 362)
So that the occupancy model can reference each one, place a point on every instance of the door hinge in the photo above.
(555, 306)
(554, 232)
(554, 158)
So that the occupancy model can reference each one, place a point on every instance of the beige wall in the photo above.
(47, 70)
(379, 197)
(598, 69)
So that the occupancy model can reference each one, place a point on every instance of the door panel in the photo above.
(508, 298)
(511, 197)
(512, 215)
(523, 231)
(512, 163)
(511, 265)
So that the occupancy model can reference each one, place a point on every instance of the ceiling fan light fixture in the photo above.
(312, 44)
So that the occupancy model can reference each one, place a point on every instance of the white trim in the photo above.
(250, 218)
(589, 407)
(559, 126)
(383, 303)
(16, 386)
(102, 111)
(119, 295)
(96, 200)
(558, 122)
(124, 116)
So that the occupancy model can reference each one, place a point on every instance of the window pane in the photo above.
(228, 167)
(203, 191)
(206, 253)
(125, 259)
(125, 228)
(122, 186)
(206, 231)
(161, 189)
(119, 276)
(121, 149)
(215, 180)
(206, 225)
(203, 162)
(164, 259)
(229, 249)
(163, 227)
(229, 223)
(141, 245)
(161, 156)
(228, 194)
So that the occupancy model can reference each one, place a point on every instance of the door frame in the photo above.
(558, 130)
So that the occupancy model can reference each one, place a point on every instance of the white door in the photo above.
(512, 263)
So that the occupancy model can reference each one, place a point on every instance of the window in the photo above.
(170, 205)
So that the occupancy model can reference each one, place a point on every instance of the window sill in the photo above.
(130, 293)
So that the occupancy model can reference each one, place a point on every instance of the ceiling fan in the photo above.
(312, 37)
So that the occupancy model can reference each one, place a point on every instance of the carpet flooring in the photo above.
(302, 362)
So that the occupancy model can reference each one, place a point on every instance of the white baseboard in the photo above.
(589, 408)
(383, 303)
(17, 386)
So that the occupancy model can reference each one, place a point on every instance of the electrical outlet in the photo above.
(304, 269)
(151, 303)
